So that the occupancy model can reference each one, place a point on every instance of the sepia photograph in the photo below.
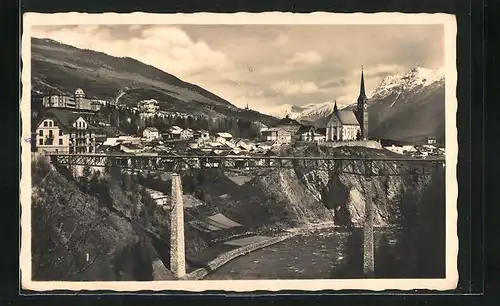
(239, 152)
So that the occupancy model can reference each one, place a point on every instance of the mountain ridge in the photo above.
(64, 68)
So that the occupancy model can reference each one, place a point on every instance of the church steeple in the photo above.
(362, 107)
(362, 87)
(335, 109)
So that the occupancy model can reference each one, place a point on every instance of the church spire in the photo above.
(335, 109)
(362, 87)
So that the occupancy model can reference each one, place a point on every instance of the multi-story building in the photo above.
(283, 132)
(148, 106)
(65, 131)
(77, 100)
(150, 133)
(52, 136)
(82, 136)
(59, 101)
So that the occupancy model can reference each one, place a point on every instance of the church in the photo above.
(345, 125)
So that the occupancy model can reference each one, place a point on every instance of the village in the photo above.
(75, 124)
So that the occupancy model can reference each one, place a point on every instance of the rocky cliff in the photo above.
(266, 201)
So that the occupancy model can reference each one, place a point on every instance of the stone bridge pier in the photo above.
(368, 245)
(177, 249)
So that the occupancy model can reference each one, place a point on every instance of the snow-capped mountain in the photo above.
(409, 106)
(309, 112)
(314, 111)
(413, 80)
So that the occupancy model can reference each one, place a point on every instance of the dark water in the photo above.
(338, 254)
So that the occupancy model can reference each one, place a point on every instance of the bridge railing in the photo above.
(176, 163)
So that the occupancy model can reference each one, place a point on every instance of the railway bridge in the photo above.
(175, 164)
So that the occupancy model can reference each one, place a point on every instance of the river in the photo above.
(333, 253)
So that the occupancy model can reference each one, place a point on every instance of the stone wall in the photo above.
(355, 143)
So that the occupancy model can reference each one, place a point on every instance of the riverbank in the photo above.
(226, 257)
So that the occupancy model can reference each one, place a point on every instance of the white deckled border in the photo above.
(449, 23)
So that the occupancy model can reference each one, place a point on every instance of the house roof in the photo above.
(304, 129)
(346, 117)
(131, 146)
(321, 123)
(291, 128)
(65, 117)
(151, 129)
(224, 135)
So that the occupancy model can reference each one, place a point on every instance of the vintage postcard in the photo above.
(239, 152)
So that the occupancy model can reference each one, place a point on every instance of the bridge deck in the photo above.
(175, 163)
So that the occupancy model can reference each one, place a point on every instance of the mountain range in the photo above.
(57, 67)
(407, 107)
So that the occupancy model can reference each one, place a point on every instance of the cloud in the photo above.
(166, 47)
(290, 88)
(383, 70)
(217, 57)
(334, 83)
(305, 58)
(281, 40)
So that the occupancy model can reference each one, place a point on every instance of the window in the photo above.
(60, 141)
(40, 132)
(45, 123)
(50, 123)
(60, 132)
(51, 134)
(40, 142)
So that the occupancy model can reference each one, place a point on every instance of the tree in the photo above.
(190, 122)
(85, 179)
(235, 131)
(126, 182)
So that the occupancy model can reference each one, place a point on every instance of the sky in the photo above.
(268, 66)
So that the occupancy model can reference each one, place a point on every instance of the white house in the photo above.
(150, 133)
(173, 133)
(223, 137)
(305, 133)
(318, 137)
(186, 134)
